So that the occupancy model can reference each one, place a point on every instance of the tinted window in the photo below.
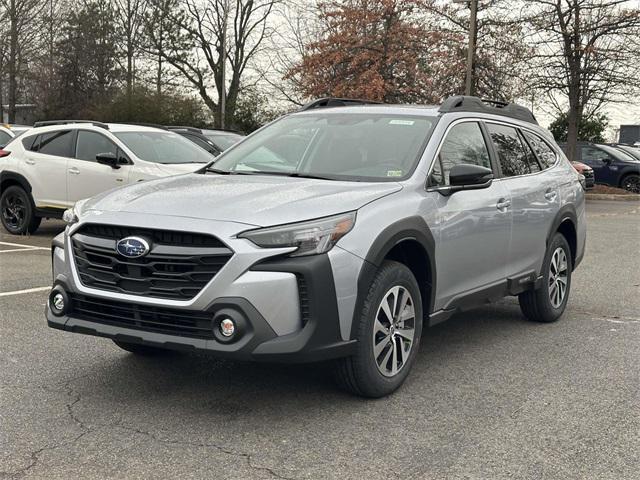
(464, 145)
(29, 142)
(593, 154)
(4, 138)
(531, 158)
(91, 144)
(224, 141)
(163, 147)
(511, 153)
(56, 143)
(546, 155)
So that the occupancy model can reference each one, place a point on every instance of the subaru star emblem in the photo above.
(132, 247)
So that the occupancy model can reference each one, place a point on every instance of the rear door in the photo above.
(473, 226)
(534, 199)
(45, 166)
(87, 177)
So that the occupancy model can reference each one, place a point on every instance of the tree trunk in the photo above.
(13, 60)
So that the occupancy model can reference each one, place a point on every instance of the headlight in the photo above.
(312, 237)
(70, 216)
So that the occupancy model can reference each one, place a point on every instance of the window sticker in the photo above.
(401, 122)
(394, 173)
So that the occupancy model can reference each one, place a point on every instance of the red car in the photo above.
(587, 172)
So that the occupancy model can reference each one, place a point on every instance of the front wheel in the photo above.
(388, 334)
(547, 303)
(17, 211)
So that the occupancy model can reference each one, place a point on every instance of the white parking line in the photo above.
(23, 247)
(28, 290)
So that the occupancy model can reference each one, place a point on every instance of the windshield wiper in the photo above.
(218, 171)
(281, 174)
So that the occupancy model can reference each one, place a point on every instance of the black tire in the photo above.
(537, 305)
(143, 350)
(631, 183)
(17, 211)
(359, 373)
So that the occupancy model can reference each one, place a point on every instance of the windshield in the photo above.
(339, 146)
(224, 140)
(633, 151)
(617, 153)
(163, 147)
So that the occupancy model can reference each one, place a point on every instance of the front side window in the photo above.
(464, 144)
(58, 143)
(592, 154)
(512, 155)
(224, 141)
(163, 147)
(546, 155)
(334, 145)
(91, 144)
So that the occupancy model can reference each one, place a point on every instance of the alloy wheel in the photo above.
(632, 184)
(393, 331)
(14, 211)
(558, 277)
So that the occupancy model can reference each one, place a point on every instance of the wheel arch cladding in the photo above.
(565, 223)
(8, 179)
(410, 242)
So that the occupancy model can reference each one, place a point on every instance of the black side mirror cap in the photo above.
(108, 159)
(467, 177)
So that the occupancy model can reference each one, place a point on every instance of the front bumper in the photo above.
(288, 305)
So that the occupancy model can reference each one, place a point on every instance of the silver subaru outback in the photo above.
(337, 232)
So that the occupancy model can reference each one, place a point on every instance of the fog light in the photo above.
(58, 301)
(227, 327)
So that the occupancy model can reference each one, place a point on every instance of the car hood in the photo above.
(259, 200)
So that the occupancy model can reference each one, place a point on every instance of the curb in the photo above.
(611, 196)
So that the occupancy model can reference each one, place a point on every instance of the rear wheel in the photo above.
(547, 303)
(388, 334)
(631, 183)
(17, 211)
(143, 350)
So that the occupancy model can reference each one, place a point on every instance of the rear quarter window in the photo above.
(30, 142)
(545, 154)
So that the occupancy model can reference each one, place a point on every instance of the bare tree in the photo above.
(204, 34)
(20, 15)
(586, 52)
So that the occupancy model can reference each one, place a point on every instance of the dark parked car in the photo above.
(629, 149)
(213, 141)
(611, 165)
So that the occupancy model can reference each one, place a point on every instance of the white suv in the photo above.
(55, 164)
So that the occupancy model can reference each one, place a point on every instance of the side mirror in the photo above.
(108, 159)
(607, 160)
(467, 177)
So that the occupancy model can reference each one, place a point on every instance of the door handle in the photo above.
(550, 195)
(28, 161)
(503, 204)
(74, 171)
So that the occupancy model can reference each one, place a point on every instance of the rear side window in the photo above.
(29, 142)
(90, 144)
(464, 144)
(546, 155)
(4, 138)
(56, 143)
(512, 154)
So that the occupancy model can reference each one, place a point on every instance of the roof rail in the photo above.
(461, 103)
(336, 102)
(188, 129)
(46, 123)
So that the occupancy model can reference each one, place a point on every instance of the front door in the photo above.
(86, 176)
(473, 227)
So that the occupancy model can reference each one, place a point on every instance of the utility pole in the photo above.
(473, 32)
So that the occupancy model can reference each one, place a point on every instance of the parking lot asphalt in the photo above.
(491, 396)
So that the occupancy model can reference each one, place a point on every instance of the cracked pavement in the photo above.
(491, 396)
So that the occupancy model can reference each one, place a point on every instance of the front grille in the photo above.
(178, 266)
(171, 321)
